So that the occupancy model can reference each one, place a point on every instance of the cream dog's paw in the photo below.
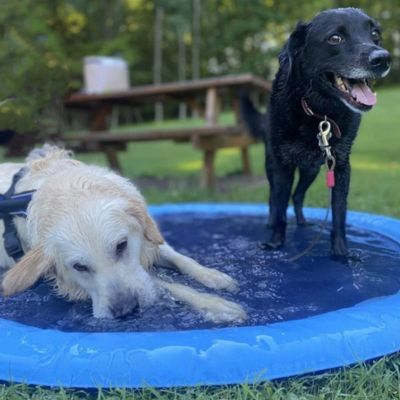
(221, 311)
(215, 279)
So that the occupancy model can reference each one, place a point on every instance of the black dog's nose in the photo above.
(379, 59)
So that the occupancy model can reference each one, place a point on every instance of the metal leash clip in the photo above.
(323, 142)
(323, 137)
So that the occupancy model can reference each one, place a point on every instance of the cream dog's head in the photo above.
(91, 234)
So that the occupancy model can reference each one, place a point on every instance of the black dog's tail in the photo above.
(254, 120)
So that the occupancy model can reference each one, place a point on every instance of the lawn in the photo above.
(169, 172)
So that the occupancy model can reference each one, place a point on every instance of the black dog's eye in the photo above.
(80, 267)
(121, 247)
(376, 36)
(335, 39)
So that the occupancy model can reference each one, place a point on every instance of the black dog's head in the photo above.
(337, 54)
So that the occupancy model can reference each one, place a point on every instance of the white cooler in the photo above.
(105, 74)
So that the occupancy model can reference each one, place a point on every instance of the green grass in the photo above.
(377, 381)
(375, 166)
(174, 170)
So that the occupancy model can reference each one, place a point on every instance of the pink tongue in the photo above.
(363, 94)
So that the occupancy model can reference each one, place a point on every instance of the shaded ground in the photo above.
(222, 184)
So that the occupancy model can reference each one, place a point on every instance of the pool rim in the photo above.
(208, 356)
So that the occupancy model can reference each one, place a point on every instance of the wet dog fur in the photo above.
(326, 61)
(89, 232)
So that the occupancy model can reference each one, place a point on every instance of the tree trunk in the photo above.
(196, 40)
(181, 69)
(196, 45)
(157, 60)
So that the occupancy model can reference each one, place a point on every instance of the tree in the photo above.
(157, 61)
(44, 42)
(33, 65)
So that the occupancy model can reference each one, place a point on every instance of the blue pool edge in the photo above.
(212, 356)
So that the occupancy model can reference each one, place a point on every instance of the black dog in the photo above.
(325, 68)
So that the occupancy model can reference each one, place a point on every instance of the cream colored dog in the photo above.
(88, 230)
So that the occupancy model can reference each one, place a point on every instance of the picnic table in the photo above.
(203, 95)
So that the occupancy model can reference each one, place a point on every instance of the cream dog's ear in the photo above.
(26, 272)
(150, 230)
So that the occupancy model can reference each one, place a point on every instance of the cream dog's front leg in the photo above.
(207, 276)
(212, 307)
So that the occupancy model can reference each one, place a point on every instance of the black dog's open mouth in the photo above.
(356, 92)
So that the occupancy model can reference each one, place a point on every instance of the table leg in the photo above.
(246, 166)
(99, 122)
(212, 106)
(208, 169)
(211, 116)
(111, 153)
(236, 110)
(246, 160)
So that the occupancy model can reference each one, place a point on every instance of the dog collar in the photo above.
(13, 205)
(311, 113)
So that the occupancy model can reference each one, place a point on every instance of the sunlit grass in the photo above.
(374, 166)
(190, 166)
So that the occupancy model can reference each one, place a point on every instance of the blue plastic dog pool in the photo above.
(304, 316)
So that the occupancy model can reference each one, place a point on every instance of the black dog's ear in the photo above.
(293, 46)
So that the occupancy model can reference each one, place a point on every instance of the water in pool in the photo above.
(271, 288)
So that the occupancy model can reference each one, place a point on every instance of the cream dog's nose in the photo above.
(123, 304)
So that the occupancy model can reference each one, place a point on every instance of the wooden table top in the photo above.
(179, 90)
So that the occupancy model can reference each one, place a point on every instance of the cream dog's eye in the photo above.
(80, 267)
(121, 247)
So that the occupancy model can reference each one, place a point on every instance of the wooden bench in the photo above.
(205, 95)
(207, 139)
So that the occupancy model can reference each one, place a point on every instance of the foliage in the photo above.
(43, 46)
(32, 63)
(43, 43)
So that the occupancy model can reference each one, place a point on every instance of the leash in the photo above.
(323, 137)
(318, 235)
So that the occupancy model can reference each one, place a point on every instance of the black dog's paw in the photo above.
(276, 242)
(339, 249)
(301, 221)
(342, 259)
(351, 259)
(355, 257)
(339, 252)
(271, 246)
(304, 223)
(300, 218)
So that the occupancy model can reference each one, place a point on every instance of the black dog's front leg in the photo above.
(339, 209)
(282, 177)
